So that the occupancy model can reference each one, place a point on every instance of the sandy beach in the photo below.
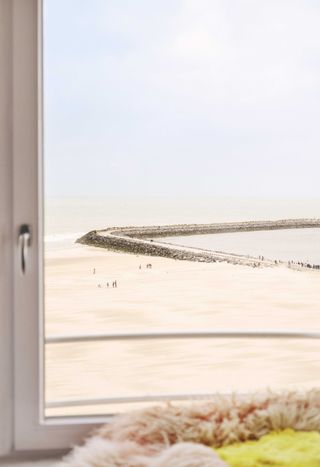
(173, 295)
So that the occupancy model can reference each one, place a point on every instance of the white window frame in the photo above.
(6, 314)
(22, 425)
(28, 431)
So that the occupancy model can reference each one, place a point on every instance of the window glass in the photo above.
(163, 121)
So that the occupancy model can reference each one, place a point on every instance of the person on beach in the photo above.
(107, 285)
(94, 270)
(115, 284)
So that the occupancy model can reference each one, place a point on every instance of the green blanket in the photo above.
(286, 448)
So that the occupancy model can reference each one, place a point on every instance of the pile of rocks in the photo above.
(139, 240)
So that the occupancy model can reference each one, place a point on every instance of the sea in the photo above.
(66, 219)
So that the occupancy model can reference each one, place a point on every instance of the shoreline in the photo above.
(139, 241)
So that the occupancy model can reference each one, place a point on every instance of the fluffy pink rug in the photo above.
(178, 436)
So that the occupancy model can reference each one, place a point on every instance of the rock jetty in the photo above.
(140, 240)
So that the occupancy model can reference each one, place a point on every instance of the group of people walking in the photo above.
(303, 265)
(148, 266)
(114, 284)
(290, 264)
(294, 264)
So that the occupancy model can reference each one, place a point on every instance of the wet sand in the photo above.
(174, 295)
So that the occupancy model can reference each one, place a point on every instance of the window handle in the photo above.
(24, 244)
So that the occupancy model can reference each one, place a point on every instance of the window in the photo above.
(162, 121)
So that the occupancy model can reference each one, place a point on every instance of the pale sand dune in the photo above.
(175, 295)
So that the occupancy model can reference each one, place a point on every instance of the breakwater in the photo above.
(140, 240)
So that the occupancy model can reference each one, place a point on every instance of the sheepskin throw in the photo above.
(185, 435)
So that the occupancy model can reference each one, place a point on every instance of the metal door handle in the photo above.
(24, 244)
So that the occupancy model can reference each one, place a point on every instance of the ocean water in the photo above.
(285, 245)
(66, 219)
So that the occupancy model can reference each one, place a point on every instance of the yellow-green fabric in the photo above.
(287, 448)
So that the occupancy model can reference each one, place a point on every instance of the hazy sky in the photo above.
(175, 97)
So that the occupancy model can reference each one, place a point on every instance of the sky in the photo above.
(182, 97)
